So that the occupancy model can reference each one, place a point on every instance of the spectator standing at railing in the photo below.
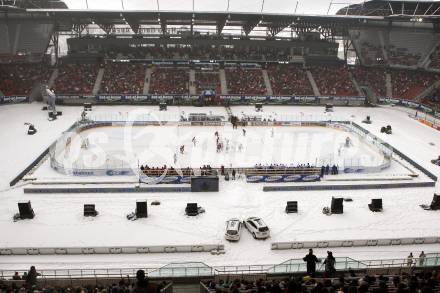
(311, 261)
(31, 278)
(422, 257)
(409, 259)
(329, 263)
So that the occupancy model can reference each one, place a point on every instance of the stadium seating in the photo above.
(408, 84)
(169, 81)
(207, 80)
(245, 81)
(433, 99)
(19, 79)
(76, 78)
(285, 79)
(123, 78)
(423, 282)
(289, 80)
(200, 53)
(333, 80)
(371, 77)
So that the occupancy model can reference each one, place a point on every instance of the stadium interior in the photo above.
(367, 54)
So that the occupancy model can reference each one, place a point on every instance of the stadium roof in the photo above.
(77, 20)
(393, 7)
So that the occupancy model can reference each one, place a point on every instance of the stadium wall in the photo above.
(354, 243)
(111, 250)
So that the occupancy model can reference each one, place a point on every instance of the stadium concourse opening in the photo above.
(227, 144)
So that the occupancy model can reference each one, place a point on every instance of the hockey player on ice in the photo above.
(347, 142)
(244, 132)
(85, 143)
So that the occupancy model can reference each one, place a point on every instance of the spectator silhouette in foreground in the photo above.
(311, 261)
(329, 263)
(31, 278)
(143, 285)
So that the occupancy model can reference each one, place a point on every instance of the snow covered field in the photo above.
(59, 220)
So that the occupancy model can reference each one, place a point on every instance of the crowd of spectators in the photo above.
(333, 80)
(123, 78)
(30, 283)
(171, 171)
(76, 78)
(245, 81)
(201, 53)
(374, 78)
(285, 79)
(207, 80)
(19, 79)
(408, 84)
(404, 283)
(289, 80)
(169, 81)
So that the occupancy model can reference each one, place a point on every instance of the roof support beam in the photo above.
(220, 25)
(276, 29)
(107, 28)
(249, 26)
(78, 28)
(163, 26)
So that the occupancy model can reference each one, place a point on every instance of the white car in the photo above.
(257, 228)
(233, 229)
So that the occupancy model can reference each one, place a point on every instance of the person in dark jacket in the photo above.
(31, 278)
(311, 261)
(141, 283)
(330, 265)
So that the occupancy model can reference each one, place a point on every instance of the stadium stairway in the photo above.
(267, 82)
(192, 82)
(186, 288)
(53, 77)
(426, 92)
(355, 84)
(98, 81)
(388, 85)
(223, 84)
(147, 81)
(313, 83)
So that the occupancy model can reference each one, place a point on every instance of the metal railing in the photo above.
(179, 270)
